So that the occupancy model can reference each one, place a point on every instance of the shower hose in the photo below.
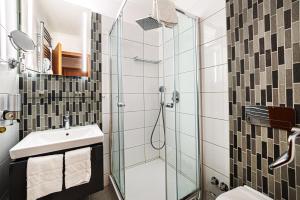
(161, 110)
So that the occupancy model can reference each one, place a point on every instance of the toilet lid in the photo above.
(242, 193)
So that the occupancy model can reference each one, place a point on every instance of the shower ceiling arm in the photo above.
(118, 14)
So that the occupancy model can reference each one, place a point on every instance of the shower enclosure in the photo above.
(144, 66)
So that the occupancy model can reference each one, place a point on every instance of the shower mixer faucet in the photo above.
(175, 99)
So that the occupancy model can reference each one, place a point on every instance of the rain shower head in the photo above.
(148, 23)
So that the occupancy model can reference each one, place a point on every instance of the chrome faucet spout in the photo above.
(67, 121)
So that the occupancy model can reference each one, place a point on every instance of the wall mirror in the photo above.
(63, 39)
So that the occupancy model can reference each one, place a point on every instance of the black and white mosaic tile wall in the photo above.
(264, 69)
(47, 98)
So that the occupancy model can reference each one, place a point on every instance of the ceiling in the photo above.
(138, 8)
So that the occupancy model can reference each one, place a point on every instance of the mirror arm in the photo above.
(12, 43)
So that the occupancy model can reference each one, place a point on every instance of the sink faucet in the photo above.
(67, 121)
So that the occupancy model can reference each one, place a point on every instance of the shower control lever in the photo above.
(170, 105)
(223, 187)
(175, 99)
(121, 104)
(214, 181)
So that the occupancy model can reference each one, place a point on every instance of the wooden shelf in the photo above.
(69, 63)
(71, 54)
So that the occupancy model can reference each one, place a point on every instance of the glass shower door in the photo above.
(182, 148)
(186, 83)
(117, 145)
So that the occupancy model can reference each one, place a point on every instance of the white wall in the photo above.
(214, 92)
(9, 79)
(70, 42)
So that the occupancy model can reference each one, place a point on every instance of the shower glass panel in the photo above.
(186, 119)
(117, 145)
(181, 76)
(177, 165)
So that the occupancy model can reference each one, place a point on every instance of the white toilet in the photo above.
(243, 193)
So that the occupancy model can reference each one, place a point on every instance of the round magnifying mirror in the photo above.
(21, 41)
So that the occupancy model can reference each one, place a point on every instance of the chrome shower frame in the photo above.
(197, 194)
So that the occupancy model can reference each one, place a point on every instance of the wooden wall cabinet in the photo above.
(68, 63)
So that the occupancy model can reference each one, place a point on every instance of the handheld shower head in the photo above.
(161, 89)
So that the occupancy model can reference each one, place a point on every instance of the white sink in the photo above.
(47, 141)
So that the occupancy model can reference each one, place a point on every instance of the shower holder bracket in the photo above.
(175, 97)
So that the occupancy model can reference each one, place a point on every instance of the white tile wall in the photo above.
(187, 64)
(134, 102)
(150, 117)
(152, 101)
(214, 53)
(134, 155)
(215, 105)
(151, 85)
(213, 27)
(133, 84)
(151, 70)
(216, 157)
(152, 37)
(215, 131)
(215, 79)
(132, 68)
(134, 120)
(150, 152)
(134, 138)
(150, 52)
(132, 49)
(148, 131)
(140, 91)
(186, 41)
(215, 124)
(132, 32)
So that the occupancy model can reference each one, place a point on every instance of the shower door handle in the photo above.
(121, 104)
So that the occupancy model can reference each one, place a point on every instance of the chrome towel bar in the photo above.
(289, 155)
(146, 61)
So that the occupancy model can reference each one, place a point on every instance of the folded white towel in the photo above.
(165, 12)
(44, 176)
(77, 167)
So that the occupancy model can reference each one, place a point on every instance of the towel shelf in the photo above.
(18, 184)
(146, 61)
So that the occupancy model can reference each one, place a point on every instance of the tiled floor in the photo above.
(107, 194)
